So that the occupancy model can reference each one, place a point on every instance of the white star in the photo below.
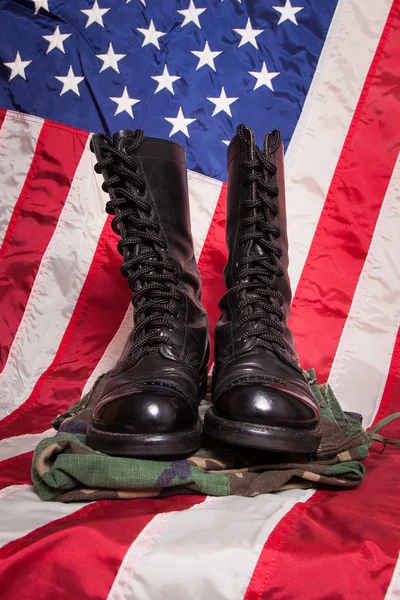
(70, 82)
(248, 35)
(165, 81)
(206, 57)
(179, 123)
(56, 40)
(191, 15)
(18, 67)
(263, 77)
(151, 35)
(41, 4)
(222, 103)
(110, 59)
(95, 14)
(124, 103)
(288, 12)
(142, 1)
(226, 142)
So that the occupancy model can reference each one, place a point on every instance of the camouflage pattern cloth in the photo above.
(65, 469)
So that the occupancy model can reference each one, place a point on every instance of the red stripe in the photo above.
(2, 116)
(211, 264)
(328, 550)
(33, 222)
(101, 306)
(346, 226)
(16, 470)
(390, 402)
(79, 556)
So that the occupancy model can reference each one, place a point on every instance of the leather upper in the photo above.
(159, 392)
(245, 372)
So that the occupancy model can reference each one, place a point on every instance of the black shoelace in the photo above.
(258, 272)
(151, 274)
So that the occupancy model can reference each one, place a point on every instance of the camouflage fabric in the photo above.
(65, 469)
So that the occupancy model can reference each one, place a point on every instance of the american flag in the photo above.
(324, 72)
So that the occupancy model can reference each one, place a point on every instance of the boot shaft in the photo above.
(146, 179)
(162, 164)
(237, 193)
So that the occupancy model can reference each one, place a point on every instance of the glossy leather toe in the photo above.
(146, 412)
(263, 405)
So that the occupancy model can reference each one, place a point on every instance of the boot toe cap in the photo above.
(262, 405)
(146, 412)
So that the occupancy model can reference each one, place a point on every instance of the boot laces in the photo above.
(258, 272)
(152, 276)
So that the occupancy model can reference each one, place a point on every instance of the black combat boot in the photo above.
(149, 405)
(261, 398)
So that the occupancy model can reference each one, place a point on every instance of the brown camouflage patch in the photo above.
(43, 463)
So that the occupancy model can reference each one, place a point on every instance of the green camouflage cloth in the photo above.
(65, 469)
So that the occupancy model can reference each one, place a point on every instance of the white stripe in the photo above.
(21, 511)
(362, 360)
(13, 446)
(325, 119)
(393, 592)
(59, 281)
(122, 583)
(113, 351)
(209, 551)
(18, 138)
(203, 195)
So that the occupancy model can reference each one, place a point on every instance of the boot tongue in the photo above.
(254, 247)
(123, 138)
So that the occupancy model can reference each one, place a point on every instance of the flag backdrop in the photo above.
(325, 72)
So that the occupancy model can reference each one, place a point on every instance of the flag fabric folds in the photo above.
(326, 74)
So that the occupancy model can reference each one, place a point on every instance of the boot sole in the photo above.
(262, 437)
(144, 444)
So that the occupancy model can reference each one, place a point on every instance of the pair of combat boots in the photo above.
(150, 402)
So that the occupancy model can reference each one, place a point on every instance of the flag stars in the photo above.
(151, 35)
(56, 40)
(264, 77)
(223, 103)
(248, 35)
(165, 81)
(191, 15)
(110, 59)
(18, 67)
(70, 82)
(179, 123)
(95, 14)
(288, 12)
(206, 57)
(41, 4)
(124, 103)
